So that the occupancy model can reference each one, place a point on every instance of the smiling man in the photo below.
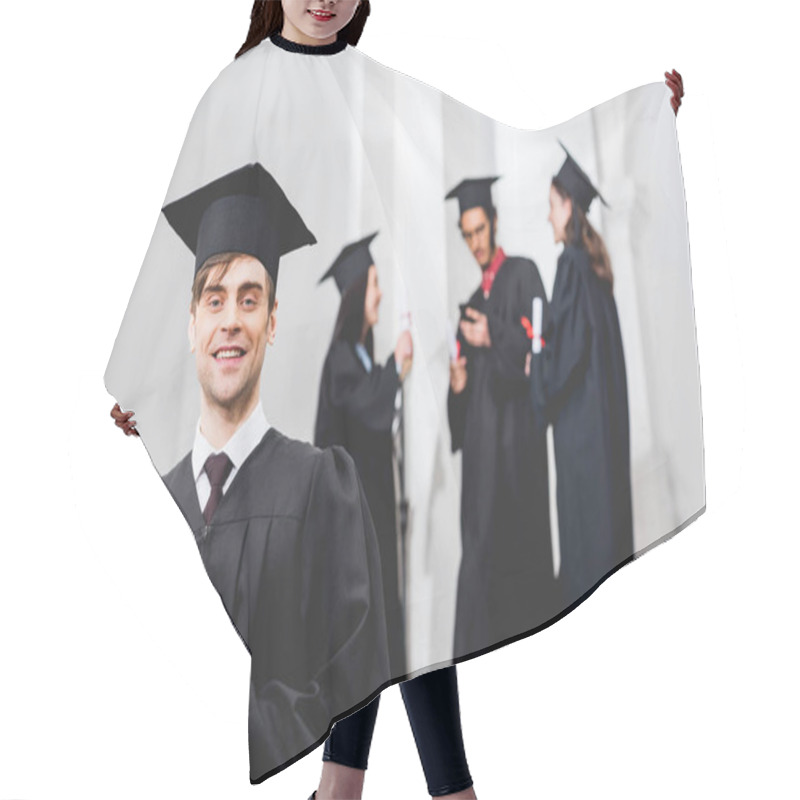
(233, 317)
(283, 527)
(505, 582)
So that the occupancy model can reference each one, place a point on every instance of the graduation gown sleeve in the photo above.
(510, 342)
(457, 403)
(367, 396)
(340, 645)
(509, 348)
(567, 332)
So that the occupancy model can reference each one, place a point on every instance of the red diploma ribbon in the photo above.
(526, 323)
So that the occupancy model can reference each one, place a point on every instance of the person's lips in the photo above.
(321, 15)
(229, 355)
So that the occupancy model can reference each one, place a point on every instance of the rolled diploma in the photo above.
(536, 323)
(452, 341)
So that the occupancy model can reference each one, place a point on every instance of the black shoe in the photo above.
(313, 795)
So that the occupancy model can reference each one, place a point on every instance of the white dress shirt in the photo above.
(237, 448)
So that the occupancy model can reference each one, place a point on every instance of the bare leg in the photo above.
(339, 782)
(345, 783)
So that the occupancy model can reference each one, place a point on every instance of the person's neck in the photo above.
(294, 34)
(332, 45)
(218, 423)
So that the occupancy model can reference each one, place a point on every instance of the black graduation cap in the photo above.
(577, 183)
(245, 211)
(473, 192)
(354, 260)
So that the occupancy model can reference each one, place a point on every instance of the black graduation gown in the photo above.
(579, 382)
(293, 554)
(355, 410)
(505, 582)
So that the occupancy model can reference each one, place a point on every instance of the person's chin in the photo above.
(317, 30)
(227, 394)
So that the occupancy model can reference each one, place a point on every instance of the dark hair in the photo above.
(350, 320)
(590, 240)
(223, 260)
(266, 18)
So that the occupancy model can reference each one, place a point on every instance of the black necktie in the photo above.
(218, 466)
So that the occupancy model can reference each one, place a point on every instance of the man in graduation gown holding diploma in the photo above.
(283, 527)
(505, 584)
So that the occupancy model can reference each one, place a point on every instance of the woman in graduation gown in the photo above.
(358, 409)
(578, 380)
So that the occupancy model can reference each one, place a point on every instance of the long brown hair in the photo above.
(590, 240)
(350, 319)
(266, 18)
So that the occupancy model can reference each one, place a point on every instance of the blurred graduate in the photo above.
(578, 381)
(505, 583)
(360, 408)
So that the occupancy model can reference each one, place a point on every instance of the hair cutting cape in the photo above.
(365, 526)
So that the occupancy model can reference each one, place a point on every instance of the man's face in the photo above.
(229, 330)
(477, 232)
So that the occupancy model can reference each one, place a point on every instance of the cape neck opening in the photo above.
(308, 49)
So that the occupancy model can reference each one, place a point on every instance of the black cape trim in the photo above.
(308, 49)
